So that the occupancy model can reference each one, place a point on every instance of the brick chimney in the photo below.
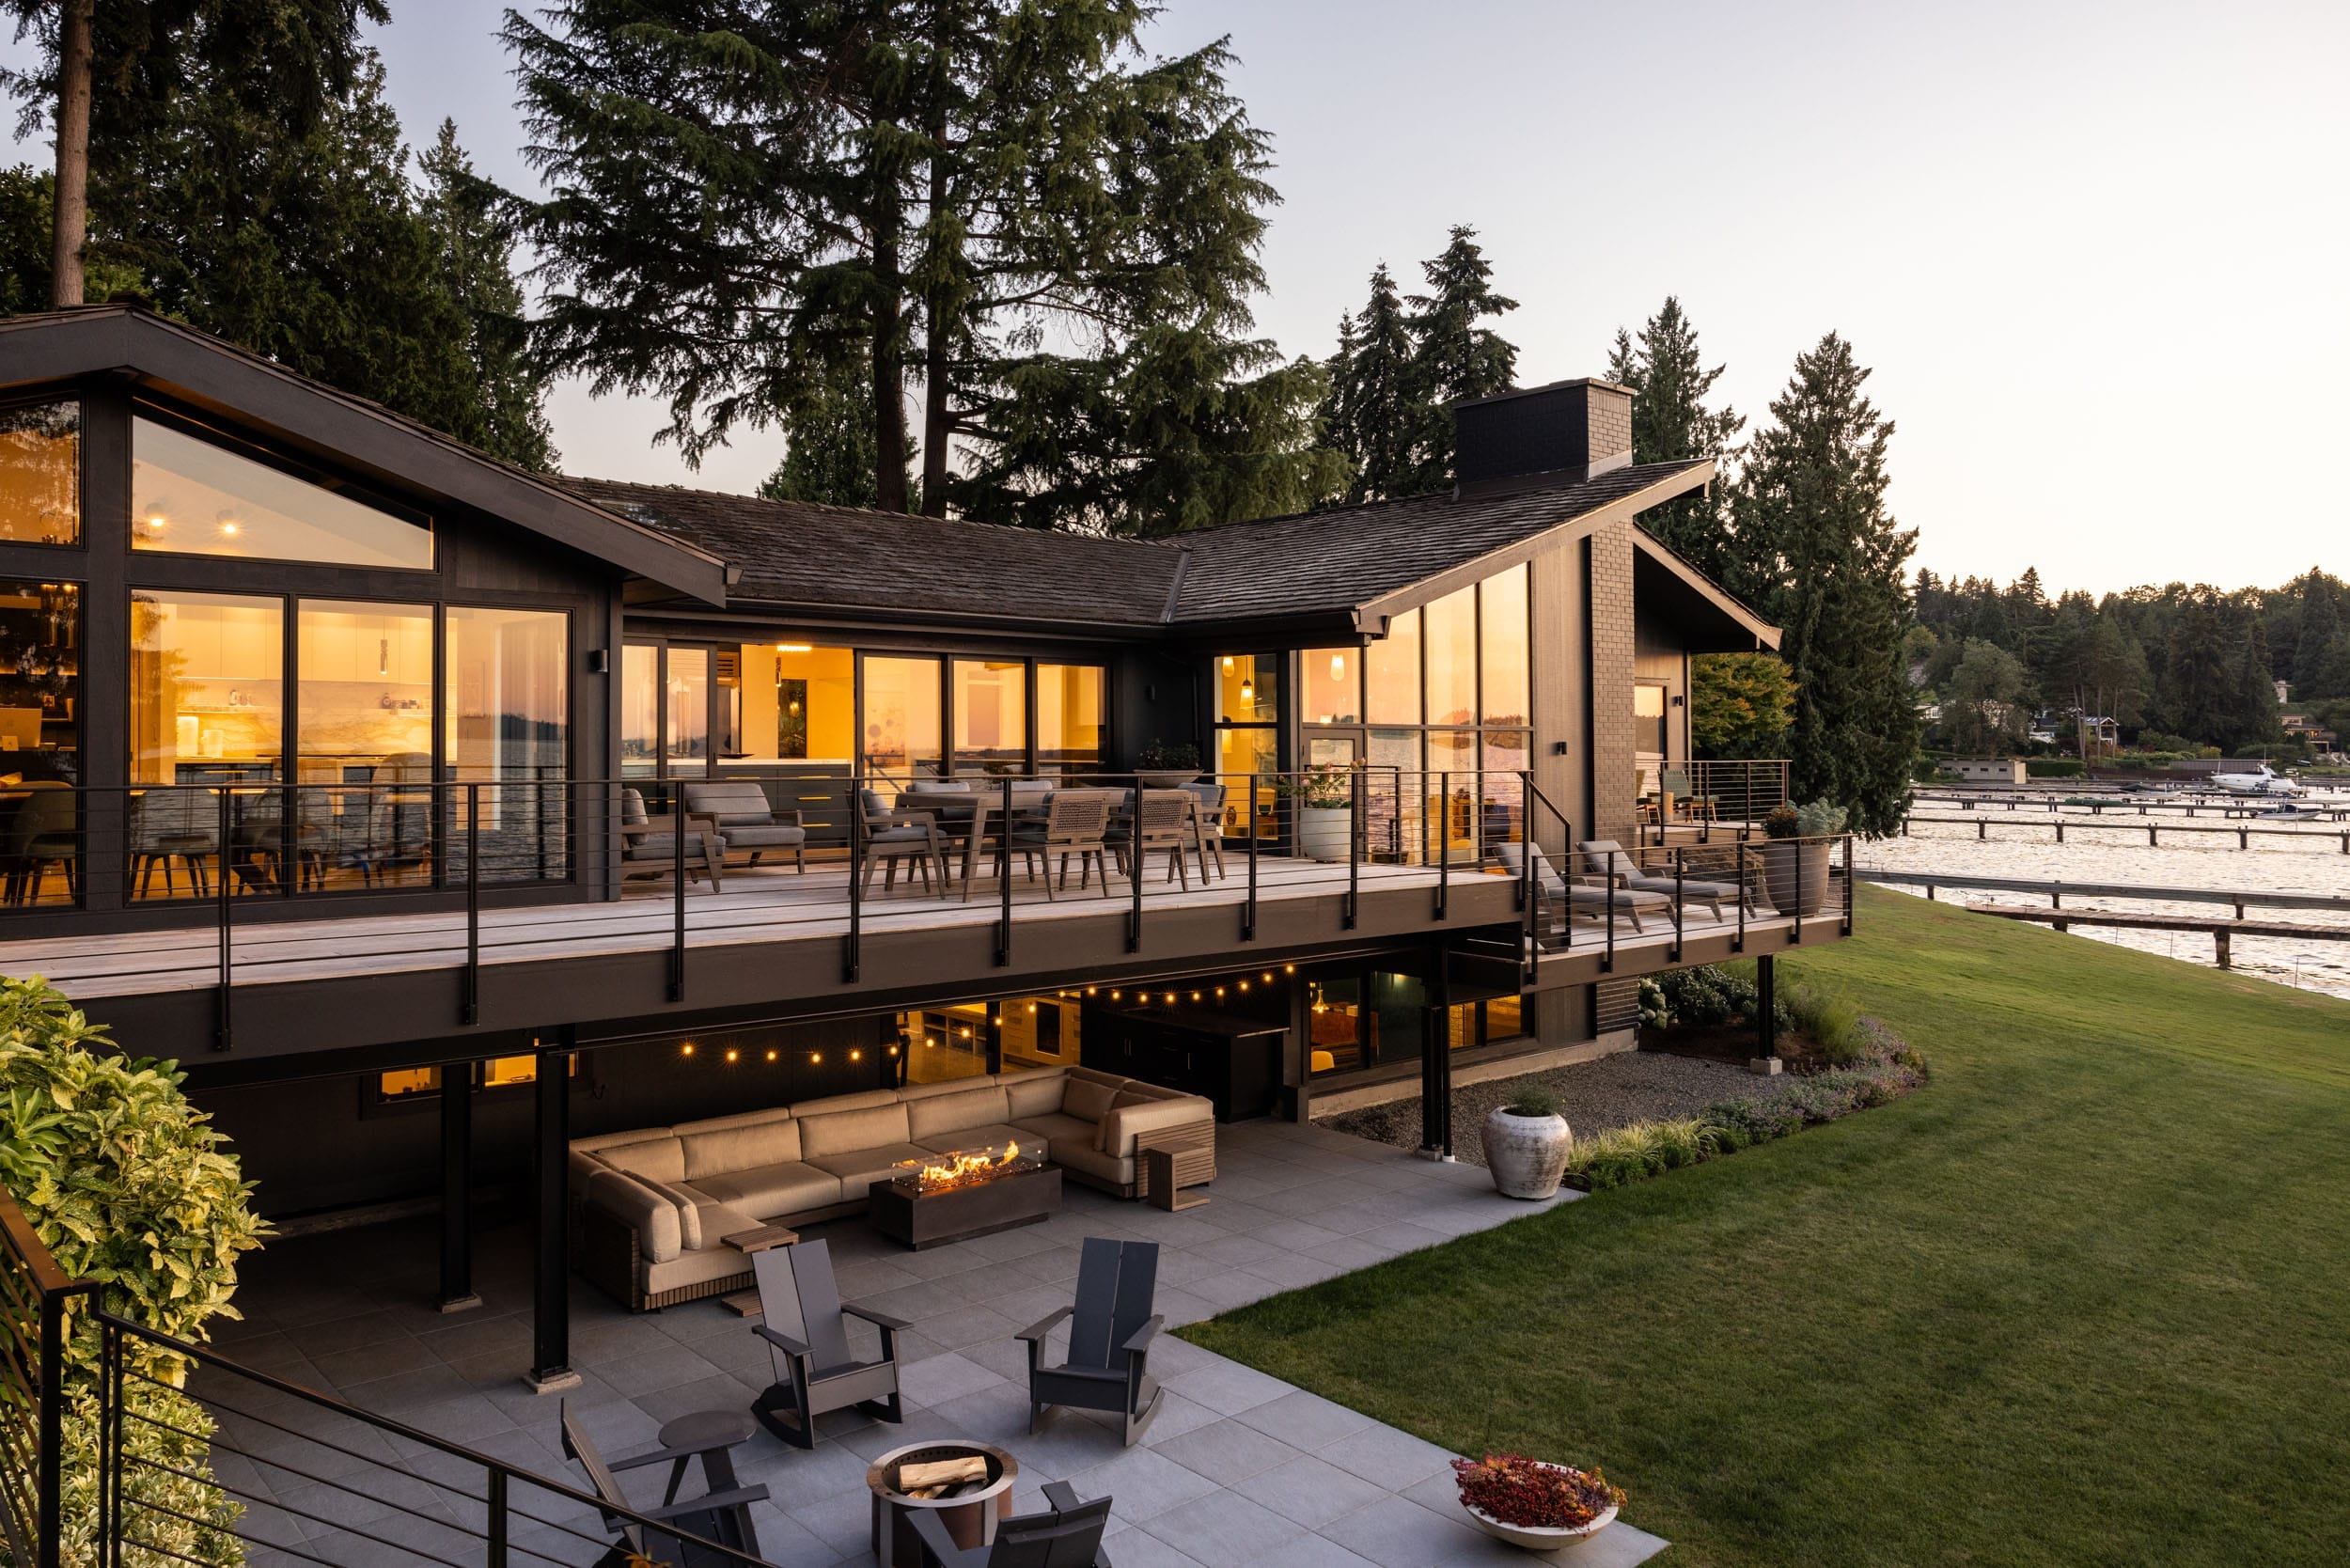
(1563, 434)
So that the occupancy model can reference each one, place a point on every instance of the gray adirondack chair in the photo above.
(1110, 1329)
(1067, 1534)
(807, 1328)
(723, 1517)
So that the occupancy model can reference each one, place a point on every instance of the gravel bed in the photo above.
(1630, 1085)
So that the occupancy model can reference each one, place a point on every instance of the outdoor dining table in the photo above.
(991, 803)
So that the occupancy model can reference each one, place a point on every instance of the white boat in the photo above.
(2261, 781)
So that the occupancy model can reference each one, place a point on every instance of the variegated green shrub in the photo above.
(128, 1186)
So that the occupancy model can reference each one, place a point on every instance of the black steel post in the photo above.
(473, 905)
(1765, 1008)
(1248, 826)
(1738, 943)
(1444, 1048)
(224, 1022)
(676, 903)
(1681, 865)
(550, 1317)
(1133, 872)
(457, 1292)
(1848, 884)
(49, 1478)
(1444, 844)
(1431, 1044)
(1003, 882)
(1607, 960)
(494, 1556)
(850, 959)
(1354, 840)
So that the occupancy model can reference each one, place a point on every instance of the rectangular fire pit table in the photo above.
(954, 1196)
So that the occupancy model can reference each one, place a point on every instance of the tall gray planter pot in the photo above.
(1527, 1155)
(1796, 877)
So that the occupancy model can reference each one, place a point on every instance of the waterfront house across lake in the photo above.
(455, 824)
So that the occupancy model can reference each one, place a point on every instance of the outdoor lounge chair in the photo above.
(1067, 1534)
(723, 1517)
(746, 822)
(807, 1328)
(1074, 823)
(648, 844)
(1110, 1330)
(1676, 784)
(1605, 856)
(1581, 894)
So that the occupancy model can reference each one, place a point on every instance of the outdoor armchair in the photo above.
(1067, 1534)
(1110, 1329)
(884, 837)
(806, 1327)
(723, 1517)
(746, 822)
(1075, 822)
(648, 844)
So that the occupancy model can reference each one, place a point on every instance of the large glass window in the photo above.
(1648, 718)
(41, 680)
(1451, 636)
(901, 717)
(364, 701)
(194, 497)
(787, 703)
(40, 473)
(1503, 663)
(1391, 673)
(686, 726)
(507, 701)
(207, 686)
(990, 715)
(1069, 718)
(640, 711)
(1334, 685)
(1240, 753)
(1247, 688)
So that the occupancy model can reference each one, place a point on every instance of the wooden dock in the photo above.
(2056, 892)
(2242, 832)
(2221, 932)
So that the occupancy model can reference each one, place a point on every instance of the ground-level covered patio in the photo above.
(1240, 1467)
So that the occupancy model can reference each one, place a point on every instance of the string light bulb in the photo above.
(733, 1054)
(771, 1056)
(816, 1058)
(857, 1056)
(686, 1049)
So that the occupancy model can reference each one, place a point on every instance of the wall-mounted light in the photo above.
(1338, 667)
(1679, 701)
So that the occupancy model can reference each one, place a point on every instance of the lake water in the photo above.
(2022, 845)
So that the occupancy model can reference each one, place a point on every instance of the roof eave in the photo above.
(1766, 636)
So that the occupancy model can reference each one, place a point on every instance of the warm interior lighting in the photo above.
(1248, 691)
(155, 522)
(795, 647)
(1227, 661)
(1338, 667)
(229, 527)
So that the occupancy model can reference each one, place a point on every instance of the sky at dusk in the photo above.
(2094, 253)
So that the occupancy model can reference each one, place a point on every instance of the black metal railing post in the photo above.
(110, 1531)
(1133, 871)
(493, 1555)
(1354, 840)
(1003, 882)
(1738, 943)
(1681, 864)
(1248, 826)
(472, 903)
(851, 959)
(1796, 848)
(677, 900)
(1444, 844)
(1607, 895)
(1848, 884)
(224, 1021)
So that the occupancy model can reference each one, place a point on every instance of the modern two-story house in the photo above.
(345, 765)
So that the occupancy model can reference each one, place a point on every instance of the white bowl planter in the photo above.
(1325, 831)
(1538, 1538)
(1527, 1155)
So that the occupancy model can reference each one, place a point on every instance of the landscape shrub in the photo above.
(124, 1183)
(2054, 767)
(1707, 995)
(1622, 1155)
(1832, 1019)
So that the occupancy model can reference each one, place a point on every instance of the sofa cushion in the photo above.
(722, 1149)
(935, 1115)
(696, 1269)
(858, 1101)
(842, 1131)
(1087, 1099)
(1057, 1127)
(688, 1202)
(721, 1220)
(767, 1192)
(1080, 1154)
(653, 1218)
(859, 1169)
(1034, 1092)
(994, 1136)
(1119, 1128)
(661, 1158)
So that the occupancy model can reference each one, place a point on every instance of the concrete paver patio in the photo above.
(1239, 1469)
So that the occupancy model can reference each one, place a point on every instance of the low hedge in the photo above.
(1888, 1069)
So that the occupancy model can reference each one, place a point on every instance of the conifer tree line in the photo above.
(2177, 667)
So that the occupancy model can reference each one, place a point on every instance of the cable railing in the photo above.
(192, 1451)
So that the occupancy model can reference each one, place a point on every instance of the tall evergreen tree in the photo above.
(104, 68)
(1820, 555)
(828, 432)
(2321, 622)
(995, 198)
(2253, 721)
(473, 248)
(1455, 357)
(1671, 423)
(1374, 420)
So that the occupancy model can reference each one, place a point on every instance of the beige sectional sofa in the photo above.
(650, 1209)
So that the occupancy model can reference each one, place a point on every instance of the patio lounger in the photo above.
(1600, 854)
(1580, 893)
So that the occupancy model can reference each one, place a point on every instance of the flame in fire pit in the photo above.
(964, 1168)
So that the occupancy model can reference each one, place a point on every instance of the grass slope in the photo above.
(2084, 1300)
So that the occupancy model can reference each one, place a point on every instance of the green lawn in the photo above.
(2085, 1299)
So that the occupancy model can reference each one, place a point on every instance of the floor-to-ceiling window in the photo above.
(507, 734)
(1070, 718)
(902, 738)
(1247, 740)
(40, 471)
(990, 715)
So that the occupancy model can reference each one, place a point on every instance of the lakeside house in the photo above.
(344, 764)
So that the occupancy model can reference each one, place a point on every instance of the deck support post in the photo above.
(1435, 1069)
(1765, 1061)
(2219, 940)
(551, 1306)
(457, 1292)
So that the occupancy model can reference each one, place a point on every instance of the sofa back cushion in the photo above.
(1088, 1100)
(722, 1150)
(937, 1115)
(1128, 1095)
(842, 1131)
(653, 1218)
(661, 1158)
(1034, 1092)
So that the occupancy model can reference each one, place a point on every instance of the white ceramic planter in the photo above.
(1536, 1538)
(1527, 1155)
(1324, 831)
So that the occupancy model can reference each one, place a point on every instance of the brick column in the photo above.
(1608, 596)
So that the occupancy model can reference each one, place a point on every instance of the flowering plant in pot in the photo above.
(1526, 1142)
(1530, 1503)
(1795, 861)
(1325, 795)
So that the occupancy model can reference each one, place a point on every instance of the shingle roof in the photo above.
(797, 552)
(1323, 561)
(1313, 563)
